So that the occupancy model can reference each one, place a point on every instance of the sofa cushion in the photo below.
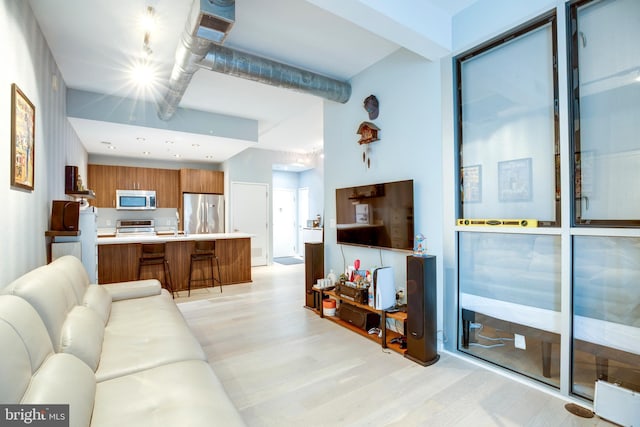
(180, 394)
(49, 293)
(73, 270)
(31, 373)
(25, 321)
(82, 335)
(98, 299)
(143, 333)
(64, 379)
(15, 367)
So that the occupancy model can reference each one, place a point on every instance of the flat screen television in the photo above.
(377, 215)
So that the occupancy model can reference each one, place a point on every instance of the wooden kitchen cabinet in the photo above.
(118, 263)
(201, 181)
(131, 178)
(165, 182)
(235, 260)
(102, 180)
(106, 179)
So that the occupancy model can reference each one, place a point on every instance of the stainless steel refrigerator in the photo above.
(203, 213)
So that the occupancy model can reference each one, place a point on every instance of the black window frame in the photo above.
(573, 85)
(542, 20)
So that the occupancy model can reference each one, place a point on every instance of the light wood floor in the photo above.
(282, 365)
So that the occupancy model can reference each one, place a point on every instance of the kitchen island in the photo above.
(118, 257)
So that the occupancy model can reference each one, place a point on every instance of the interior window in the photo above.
(606, 79)
(508, 128)
(509, 282)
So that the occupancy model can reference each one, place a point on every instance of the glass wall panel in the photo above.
(509, 300)
(606, 308)
(509, 148)
(606, 81)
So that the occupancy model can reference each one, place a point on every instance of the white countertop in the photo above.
(163, 238)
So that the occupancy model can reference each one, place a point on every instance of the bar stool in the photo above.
(205, 251)
(153, 254)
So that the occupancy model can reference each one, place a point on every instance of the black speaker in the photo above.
(313, 270)
(421, 310)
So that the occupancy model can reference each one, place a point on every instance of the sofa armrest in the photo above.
(134, 289)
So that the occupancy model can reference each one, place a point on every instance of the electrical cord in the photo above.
(500, 340)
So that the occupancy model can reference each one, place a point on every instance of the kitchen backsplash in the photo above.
(165, 218)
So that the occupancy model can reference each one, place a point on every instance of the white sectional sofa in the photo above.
(118, 354)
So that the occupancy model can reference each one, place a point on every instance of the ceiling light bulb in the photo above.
(148, 20)
(143, 75)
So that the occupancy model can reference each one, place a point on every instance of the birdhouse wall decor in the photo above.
(368, 133)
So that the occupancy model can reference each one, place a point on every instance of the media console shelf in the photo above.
(387, 334)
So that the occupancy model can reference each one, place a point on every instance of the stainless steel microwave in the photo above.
(136, 200)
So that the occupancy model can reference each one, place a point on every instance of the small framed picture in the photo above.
(514, 180)
(471, 184)
(23, 117)
(362, 213)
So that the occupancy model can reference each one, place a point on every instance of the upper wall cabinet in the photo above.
(102, 179)
(201, 181)
(105, 180)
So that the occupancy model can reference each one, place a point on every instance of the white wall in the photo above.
(254, 165)
(408, 89)
(488, 18)
(27, 61)
(313, 179)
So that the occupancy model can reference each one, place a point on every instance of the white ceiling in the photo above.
(95, 44)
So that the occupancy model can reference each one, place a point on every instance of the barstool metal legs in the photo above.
(211, 258)
(153, 254)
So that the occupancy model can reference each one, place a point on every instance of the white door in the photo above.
(250, 214)
(303, 216)
(285, 234)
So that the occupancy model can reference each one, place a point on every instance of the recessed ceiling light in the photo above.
(168, 142)
(195, 145)
(111, 147)
(208, 157)
(141, 139)
(146, 153)
(177, 156)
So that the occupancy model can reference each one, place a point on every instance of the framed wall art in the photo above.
(471, 184)
(514, 180)
(23, 118)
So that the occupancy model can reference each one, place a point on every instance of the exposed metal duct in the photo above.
(204, 24)
(209, 22)
(252, 67)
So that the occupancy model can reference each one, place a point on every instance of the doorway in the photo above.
(284, 222)
(303, 215)
(250, 214)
